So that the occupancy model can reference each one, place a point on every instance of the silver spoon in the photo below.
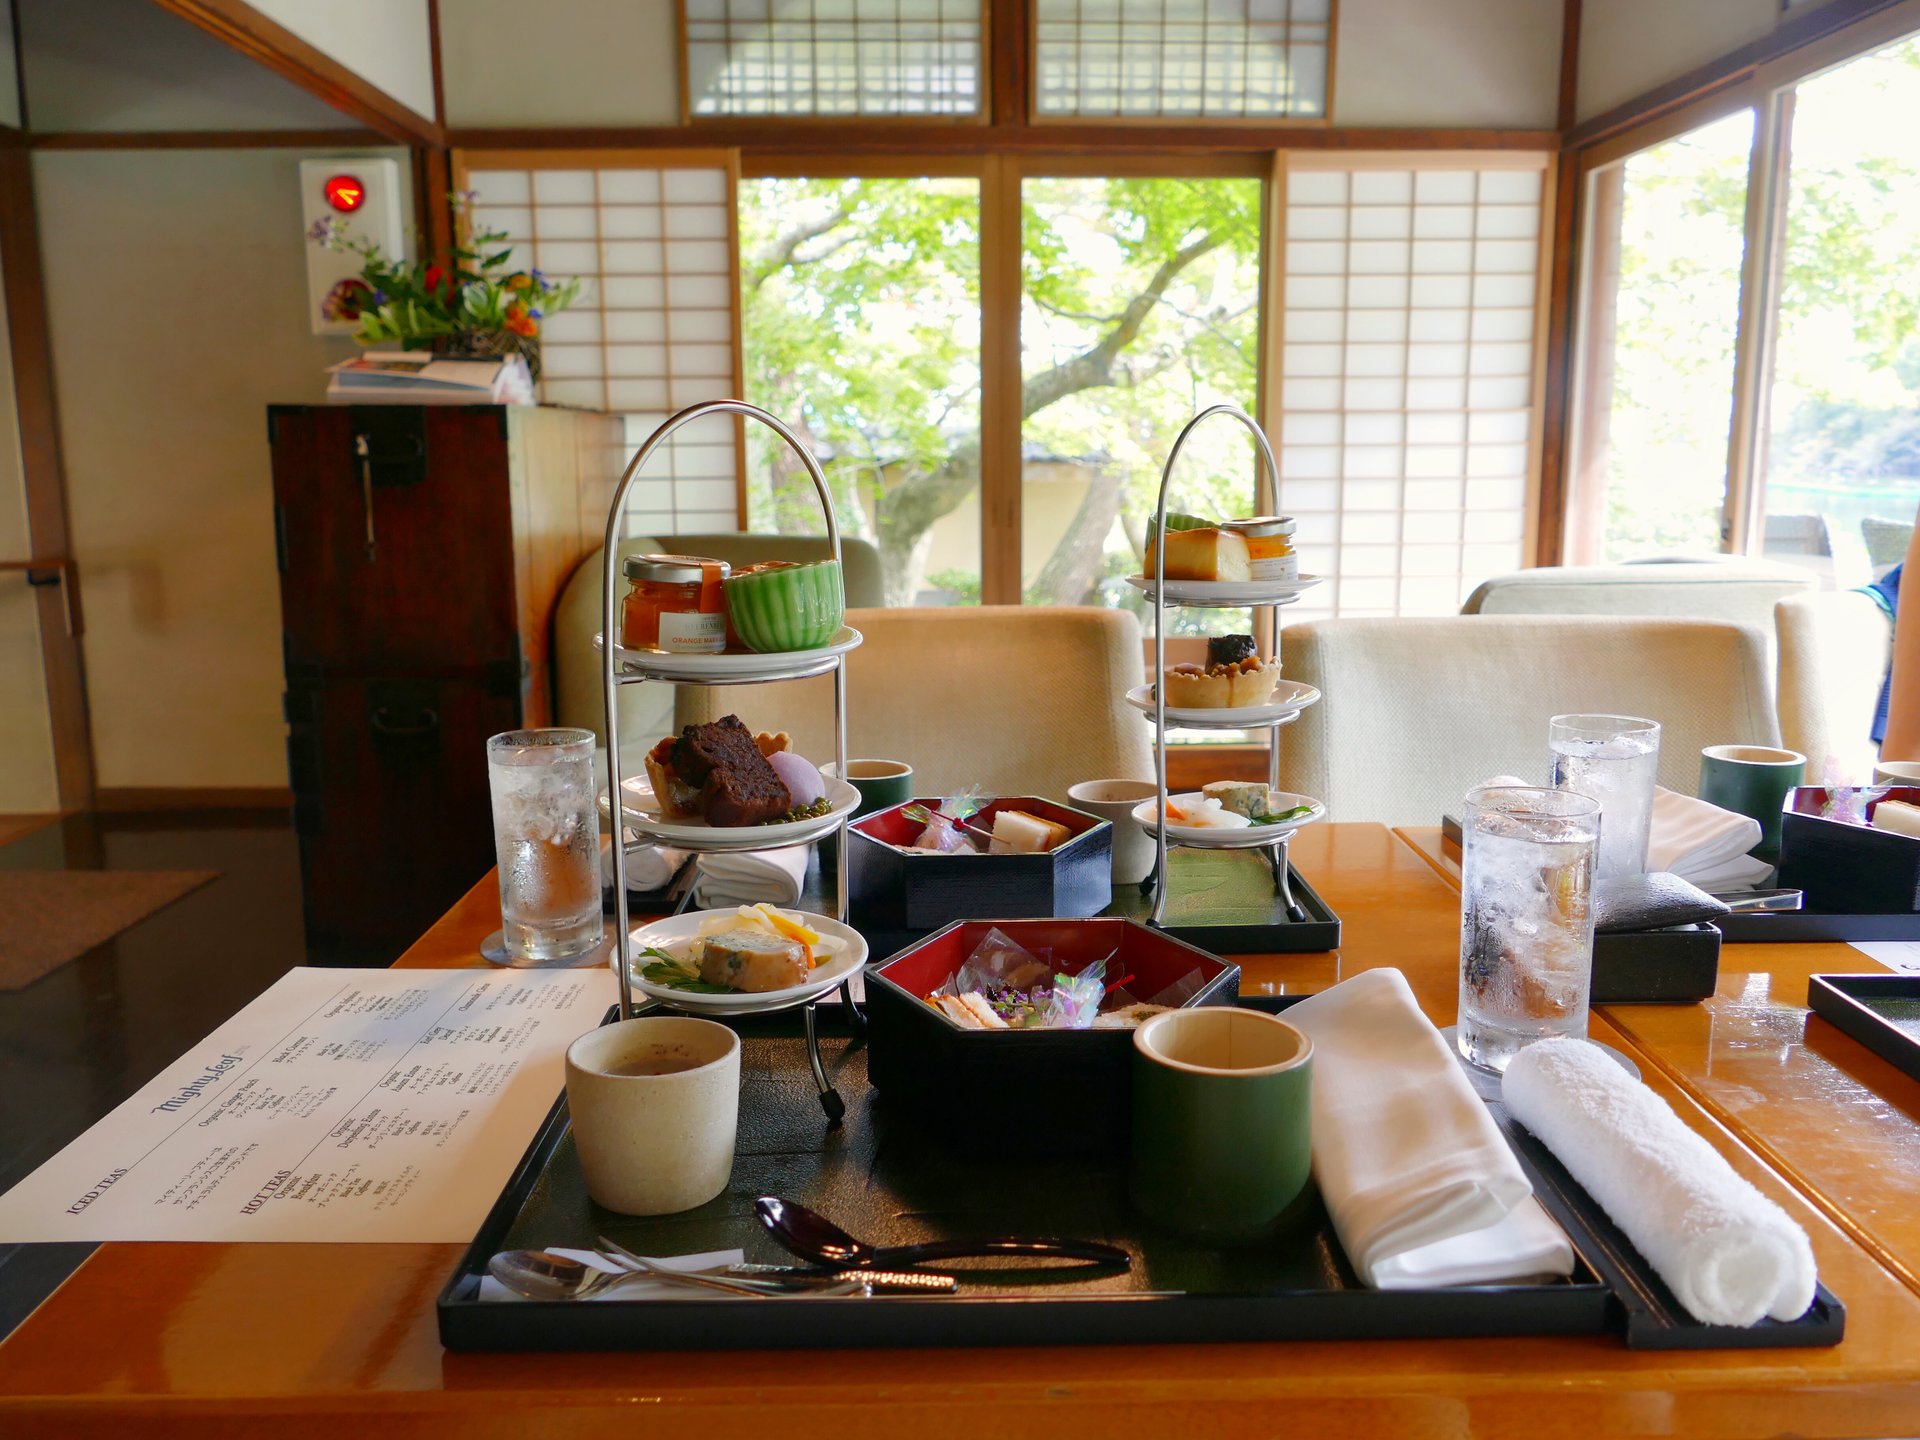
(543, 1275)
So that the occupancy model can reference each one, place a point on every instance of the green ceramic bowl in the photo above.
(786, 607)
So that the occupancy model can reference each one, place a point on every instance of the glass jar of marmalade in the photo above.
(674, 603)
(1269, 546)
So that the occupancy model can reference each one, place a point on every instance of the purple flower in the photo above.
(379, 297)
(466, 199)
(536, 314)
(322, 230)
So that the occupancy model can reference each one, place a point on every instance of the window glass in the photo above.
(1140, 307)
(1842, 456)
(1666, 246)
(860, 308)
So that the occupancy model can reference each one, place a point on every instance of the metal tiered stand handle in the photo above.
(1265, 502)
(613, 678)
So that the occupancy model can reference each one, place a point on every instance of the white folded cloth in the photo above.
(746, 877)
(1422, 1187)
(649, 867)
(1702, 843)
(640, 1287)
(1729, 1254)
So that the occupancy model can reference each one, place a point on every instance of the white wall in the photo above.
(573, 62)
(1489, 63)
(1628, 47)
(176, 295)
(614, 62)
(386, 42)
(110, 65)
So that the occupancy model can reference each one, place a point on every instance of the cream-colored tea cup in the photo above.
(1133, 849)
(655, 1106)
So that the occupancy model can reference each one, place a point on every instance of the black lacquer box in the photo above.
(897, 896)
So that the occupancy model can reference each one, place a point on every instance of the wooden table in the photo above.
(1817, 1104)
(290, 1340)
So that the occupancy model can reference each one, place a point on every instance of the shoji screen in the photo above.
(1407, 384)
(1193, 59)
(833, 57)
(655, 327)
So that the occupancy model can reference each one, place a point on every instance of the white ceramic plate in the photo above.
(643, 817)
(1225, 593)
(826, 977)
(735, 667)
(1213, 837)
(1290, 697)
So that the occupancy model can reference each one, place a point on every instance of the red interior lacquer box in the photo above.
(901, 896)
(1080, 1079)
(1848, 869)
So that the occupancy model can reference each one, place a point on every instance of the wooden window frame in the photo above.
(727, 160)
(1761, 79)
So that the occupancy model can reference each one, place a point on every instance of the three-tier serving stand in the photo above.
(1196, 596)
(635, 667)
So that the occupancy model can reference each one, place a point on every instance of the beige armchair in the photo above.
(1019, 699)
(647, 710)
(1834, 650)
(1416, 711)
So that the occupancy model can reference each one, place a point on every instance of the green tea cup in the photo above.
(1221, 1123)
(1752, 780)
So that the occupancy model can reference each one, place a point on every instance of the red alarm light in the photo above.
(345, 193)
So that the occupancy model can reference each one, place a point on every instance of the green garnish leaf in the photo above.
(677, 974)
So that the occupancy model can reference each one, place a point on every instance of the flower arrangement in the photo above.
(473, 306)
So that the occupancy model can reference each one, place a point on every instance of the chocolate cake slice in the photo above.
(737, 785)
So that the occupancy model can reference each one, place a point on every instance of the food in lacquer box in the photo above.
(724, 774)
(1015, 832)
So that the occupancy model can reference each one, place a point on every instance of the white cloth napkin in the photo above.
(1702, 843)
(1422, 1187)
(746, 877)
(1729, 1254)
(649, 867)
(640, 1287)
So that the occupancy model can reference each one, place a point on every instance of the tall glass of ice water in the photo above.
(1526, 921)
(546, 839)
(1612, 759)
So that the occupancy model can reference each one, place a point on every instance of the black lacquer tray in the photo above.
(1882, 1012)
(889, 1180)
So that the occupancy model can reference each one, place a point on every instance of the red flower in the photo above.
(438, 283)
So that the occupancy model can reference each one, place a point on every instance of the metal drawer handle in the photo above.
(382, 722)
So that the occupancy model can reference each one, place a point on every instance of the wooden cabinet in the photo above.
(421, 549)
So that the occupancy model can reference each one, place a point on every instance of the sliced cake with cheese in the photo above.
(1015, 832)
(1207, 554)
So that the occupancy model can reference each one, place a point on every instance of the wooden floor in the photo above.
(12, 827)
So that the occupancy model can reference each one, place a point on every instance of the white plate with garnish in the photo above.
(644, 818)
(740, 665)
(1204, 823)
(1290, 697)
(1229, 593)
(672, 975)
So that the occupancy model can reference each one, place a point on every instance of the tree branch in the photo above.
(780, 253)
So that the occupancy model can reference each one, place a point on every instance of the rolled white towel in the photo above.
(1729, 1254)
(746, 877)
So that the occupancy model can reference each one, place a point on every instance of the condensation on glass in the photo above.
(1407, 381)
(653, 329)
(833, 57)
(1200, 59)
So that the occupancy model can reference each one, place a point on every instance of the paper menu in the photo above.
(1900, 955)
(341, 1105)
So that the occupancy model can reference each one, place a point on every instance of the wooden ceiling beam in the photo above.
(243, 28)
